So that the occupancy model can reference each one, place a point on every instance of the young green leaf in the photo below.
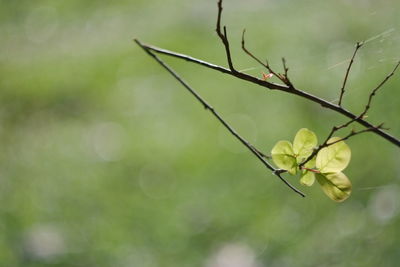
(283, 156)
(310, 164)
(335, 185)
(307, 178)
(303, 144)
(333, 158)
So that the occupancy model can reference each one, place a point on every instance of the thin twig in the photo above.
(255, 151)
(346, 124)
(361, 116)
(251, 55)
(275, 86)
(285, 76)
(326, 144)
(262, 154)
(372, 94)
(358, 46)
(265, 65)
(224, 37)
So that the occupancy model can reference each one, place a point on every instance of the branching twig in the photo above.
(207, 106)
(285, 77)
(288, 87)
(372, 94)
(262, 154)
(361, 116)
(266, 65)
(274, 86)
(224, 37)
(358, 46)
(346, 124)
(335, 129)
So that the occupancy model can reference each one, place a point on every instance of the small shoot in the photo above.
(326, 167)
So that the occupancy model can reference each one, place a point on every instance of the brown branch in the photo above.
(288, 87)
(266, 65)
(346, 124)
(262, 154)
(224, 37)
(279, 87)
(251, 55)
(285, 76)
(361, 116)
(207, 106)
(372, 94)
(358, 46)
(334, 129)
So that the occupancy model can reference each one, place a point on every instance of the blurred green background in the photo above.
(105, 160)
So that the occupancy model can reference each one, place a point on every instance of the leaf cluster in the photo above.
(326, 167)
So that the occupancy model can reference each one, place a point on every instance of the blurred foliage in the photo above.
(106, 161)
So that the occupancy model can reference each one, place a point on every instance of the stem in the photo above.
(207, 106)
(279, 87)
(311, 170)
(358, 46)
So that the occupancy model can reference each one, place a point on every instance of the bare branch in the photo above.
(285, 69)
(274, 86)
(284, 78)
(358, 46)
(346, 124)
(262, 154)
(207, 106)
(361, 116)
(367, 107)
(250, 54)
(224, 37)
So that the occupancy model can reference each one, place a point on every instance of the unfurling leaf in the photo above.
(304, 143)
(335, 185)
(283, 156)
(307, 178)
(333, 158)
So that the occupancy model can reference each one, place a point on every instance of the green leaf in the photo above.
(307, 178)
(283, 156)
(304, 143)
(333, 158)
(310, 164)
(335, 185)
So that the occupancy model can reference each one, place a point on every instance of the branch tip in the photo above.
(342, 89)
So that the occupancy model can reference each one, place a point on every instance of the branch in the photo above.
(266, 65)
(285, 76)
(335, 129)
(358, 46)
(361, 116)
(224, 37)
(345, 125)
(279, 87)
(247, 144)
(372, 94)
